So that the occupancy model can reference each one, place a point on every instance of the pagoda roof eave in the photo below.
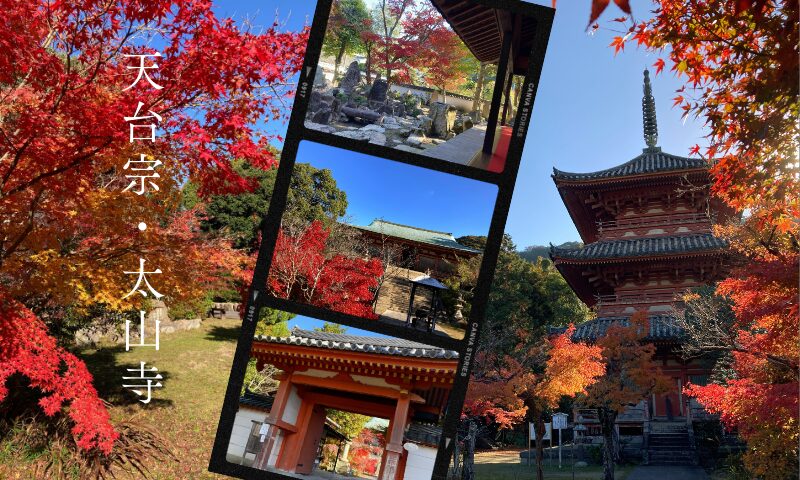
(646, 249)
(652, 162)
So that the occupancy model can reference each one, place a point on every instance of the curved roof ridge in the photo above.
(651, 160)
(633, 247)
(355, 343)
(660, 326)
(378, 220)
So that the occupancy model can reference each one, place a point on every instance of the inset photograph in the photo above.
(381, 240)
(321, 400)
(437, 78)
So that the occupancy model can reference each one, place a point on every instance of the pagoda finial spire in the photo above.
(649, 113)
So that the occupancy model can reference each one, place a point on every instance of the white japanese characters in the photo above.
(141, 177)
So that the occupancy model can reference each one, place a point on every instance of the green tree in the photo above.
(331, 328)
(313, 196)
(348, 20)
(350, 424)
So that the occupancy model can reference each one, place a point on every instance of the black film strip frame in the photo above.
(297, 132)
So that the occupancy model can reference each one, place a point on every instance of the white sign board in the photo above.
(560, 421)
(548, 431)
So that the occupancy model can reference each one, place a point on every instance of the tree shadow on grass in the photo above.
(108, 371)
(224, 334)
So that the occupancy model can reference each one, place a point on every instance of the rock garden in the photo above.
(375, 114)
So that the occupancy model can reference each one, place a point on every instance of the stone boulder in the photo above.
(351, 79)
(323, 116)
(319, 79)
(443, 117)
(377, 94)
(425, 124)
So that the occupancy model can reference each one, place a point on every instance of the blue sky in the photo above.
(309, 323)
(587, 115)
(400, 193)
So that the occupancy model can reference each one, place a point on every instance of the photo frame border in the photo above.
(257, 298)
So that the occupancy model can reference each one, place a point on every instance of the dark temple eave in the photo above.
(571, 263)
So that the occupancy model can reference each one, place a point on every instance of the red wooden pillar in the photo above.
(274, 417)
(393, 451)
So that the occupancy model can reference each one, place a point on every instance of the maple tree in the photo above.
(366, 451)
(508, 389)
(631, 375)
(304, 268)
(69, 230)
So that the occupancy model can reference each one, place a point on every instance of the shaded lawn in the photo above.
(195, 365)
(505, 465)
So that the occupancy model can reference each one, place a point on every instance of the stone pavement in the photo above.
(667, 472)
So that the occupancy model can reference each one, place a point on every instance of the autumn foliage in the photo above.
(28, 350)
(507, 390)
(306, 270)
(631, 376)
(739, 61)
(68, 230)
(366, 452)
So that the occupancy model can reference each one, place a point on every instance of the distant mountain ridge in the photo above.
(534, 252)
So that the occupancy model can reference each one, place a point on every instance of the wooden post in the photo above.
(411, 303)
(494, 112)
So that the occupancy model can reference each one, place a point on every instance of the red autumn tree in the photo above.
(631, 375)
(739, 60)
(445, 62)
(402, 37)
(304, 268)
(506, 391)
(68, 229)
(366, 452)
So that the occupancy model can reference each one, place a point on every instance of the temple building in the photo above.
(404, 382)
(419, 249)
(417, 260)
(647, 231)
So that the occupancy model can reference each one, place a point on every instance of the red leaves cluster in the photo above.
(68, 232)
(27, 349)
(304, 270)
(366, 452)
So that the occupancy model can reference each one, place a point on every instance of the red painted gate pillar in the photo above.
(393, 451)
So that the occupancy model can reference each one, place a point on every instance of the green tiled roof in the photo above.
(650, 161)
(414, 234)
(641, 247)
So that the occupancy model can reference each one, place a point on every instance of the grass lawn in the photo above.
(195, 365)
(505, 465)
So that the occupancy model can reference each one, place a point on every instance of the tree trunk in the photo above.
(607, 418)
(538, 422)
(338, 62)
(468, 473)
(477, 101)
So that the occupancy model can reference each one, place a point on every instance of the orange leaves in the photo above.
(631, 373)
(659, 65)
(500, 388)
(618, 43)
(570, 369)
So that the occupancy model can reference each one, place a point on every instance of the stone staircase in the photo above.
(670, 443)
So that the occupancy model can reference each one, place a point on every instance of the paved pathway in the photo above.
(667, 473)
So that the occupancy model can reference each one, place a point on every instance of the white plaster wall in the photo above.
(276, 449)
(292, 408)
(419, 463)
(242, 424)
